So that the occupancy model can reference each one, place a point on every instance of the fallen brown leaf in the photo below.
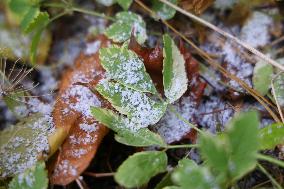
(83, 134)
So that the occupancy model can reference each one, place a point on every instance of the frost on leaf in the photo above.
(125, 24)
(139, 108)
(124, 66)
(34, 177)
(83, 134)
(22, 144)
(124, 129)
(174, 73)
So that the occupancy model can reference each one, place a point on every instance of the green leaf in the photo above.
(262, 75)
(125, 4)
(244, 143)
(139, 168)
(189, 175)
(29, 17)
(162, 10)
(271, 135)
(139, 108)
(174, 73)
(278, 84)
(106, 2)
(38, 23)
(126, 135)
(124, 66)
(22, 144)
(126, 22)
(34, 177)
(214, 152)
(20, 7)
(34, 45)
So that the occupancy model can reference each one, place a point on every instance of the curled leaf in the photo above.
(174, 72)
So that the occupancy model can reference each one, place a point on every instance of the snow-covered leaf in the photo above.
(124, 66)
(262, 75)
(22, 144)
(162, 10)
(34, 177)
(189, 175)
(140, 167)
(271, 135)
(125, 4)
(139, 108)
(123, 127)
(125, 24)
(174, 73)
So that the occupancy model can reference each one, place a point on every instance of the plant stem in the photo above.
(182, 146)
(58, 16)
(70, 7)
(93, 13)
(270, 159)
(273, 181)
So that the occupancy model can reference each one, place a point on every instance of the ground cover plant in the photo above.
(159, 94)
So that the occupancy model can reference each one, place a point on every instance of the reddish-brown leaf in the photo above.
(83, 133)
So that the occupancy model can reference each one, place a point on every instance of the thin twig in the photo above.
(98, 175)
(79, 184)
(229, 36)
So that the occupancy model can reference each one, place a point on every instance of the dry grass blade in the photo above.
(229, 36)
(213, 63)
